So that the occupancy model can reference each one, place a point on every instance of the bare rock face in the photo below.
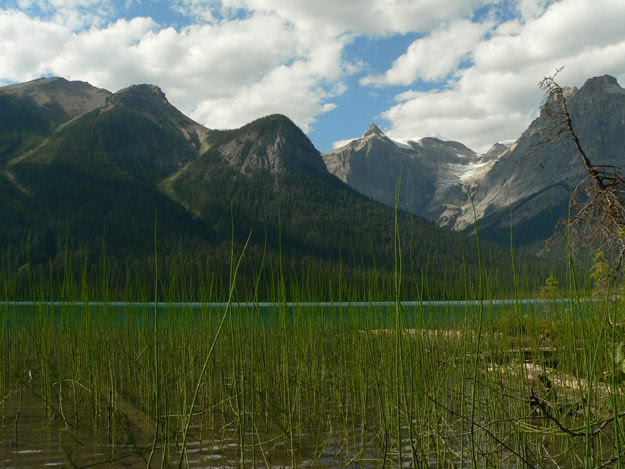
(519, 181)
(273, 144)
(149, 99)
(373, 130)
(429, 172)
(535, 178)
(73, 97)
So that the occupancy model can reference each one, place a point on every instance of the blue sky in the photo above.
(463, 69)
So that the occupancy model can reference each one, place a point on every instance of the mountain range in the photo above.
(525, 183)
(108, 179)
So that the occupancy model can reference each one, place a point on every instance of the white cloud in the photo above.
(223, 74)
(532, 9)
(497, 97)
(236, 60)
(231, 66)
(300, 90)
(110, 58)
(371, 17)
(433, 57)
(342, 143)
(197, 9)
(27, 44)
(76, 14)
(282, 91)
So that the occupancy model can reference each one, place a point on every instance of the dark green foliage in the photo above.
(119, 143)
(81, 210)
(319, 216)
(88, 208)
(23, 124)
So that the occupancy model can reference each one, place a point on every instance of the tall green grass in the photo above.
(166, 384)
(291, 387)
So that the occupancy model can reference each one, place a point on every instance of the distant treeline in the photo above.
(266, 273)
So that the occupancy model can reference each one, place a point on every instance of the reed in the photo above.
(164, 383)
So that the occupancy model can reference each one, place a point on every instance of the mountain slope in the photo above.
(303, 210)
(58, 94)
(29, 112)
(95, 176)
(528, 181)
(105, 180)
(117, 140)
(433, 172)
(271, 175)
(536, 178)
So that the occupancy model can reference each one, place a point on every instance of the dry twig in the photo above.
(598, 201)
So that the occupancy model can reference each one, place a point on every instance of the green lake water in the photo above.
(358, 314)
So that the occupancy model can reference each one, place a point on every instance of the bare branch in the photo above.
(598, 201)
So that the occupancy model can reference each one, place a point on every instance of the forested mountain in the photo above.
(117, 178)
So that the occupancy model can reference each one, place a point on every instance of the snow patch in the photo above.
(404, 142)
(466, 171)
(401, 143)
(471, 170)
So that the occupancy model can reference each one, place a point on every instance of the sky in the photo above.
(466, 70)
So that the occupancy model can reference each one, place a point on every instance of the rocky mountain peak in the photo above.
(594, 88)
(151, 102)
(605, 81)
(73, 97)
(139, 97)
(273, 144)
(497, 150)
(602, 85)
(373, 130)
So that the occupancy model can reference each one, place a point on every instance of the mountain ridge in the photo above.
(428, 167)
(284, 148)
(130, 175)
(74, 98)
(545, 166)
(436, 173)
(510, 177)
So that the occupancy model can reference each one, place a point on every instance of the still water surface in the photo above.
(359, 314)
(31, 437)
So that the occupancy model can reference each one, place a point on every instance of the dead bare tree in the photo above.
(597, 215)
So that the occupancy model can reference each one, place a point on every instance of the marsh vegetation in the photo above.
(305, 385)
(325, 376)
